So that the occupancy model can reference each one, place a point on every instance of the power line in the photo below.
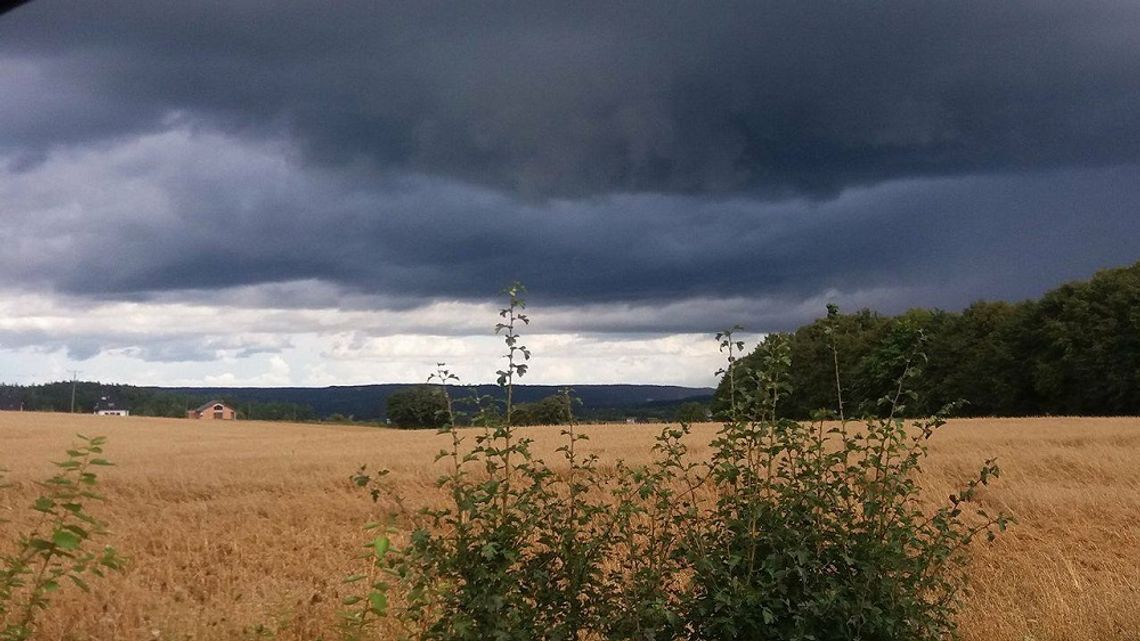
(74, 377)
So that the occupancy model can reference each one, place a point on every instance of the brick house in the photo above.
(214, 411)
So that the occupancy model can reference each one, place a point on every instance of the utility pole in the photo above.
(74, 376)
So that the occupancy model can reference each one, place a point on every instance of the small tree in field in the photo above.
(551, 410)
(418, 407)
(692, 412)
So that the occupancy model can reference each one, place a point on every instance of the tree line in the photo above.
(1074, 351)
(425, 406)
(141, 401)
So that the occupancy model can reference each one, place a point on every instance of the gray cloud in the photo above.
(570, 99)
(156, 347)
(649, 167)
(187, 213)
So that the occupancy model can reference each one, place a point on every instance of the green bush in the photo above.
(551, 410)
(816, 531)
(692, 412)
(418, 407)
(58, 549)
(788, 531)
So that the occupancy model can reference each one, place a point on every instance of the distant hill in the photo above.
(362, 402)
(369, 402)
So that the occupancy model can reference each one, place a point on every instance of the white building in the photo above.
(107, 407)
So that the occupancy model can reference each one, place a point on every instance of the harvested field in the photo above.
(244, 530)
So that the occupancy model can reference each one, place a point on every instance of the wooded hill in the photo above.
(1074, 351)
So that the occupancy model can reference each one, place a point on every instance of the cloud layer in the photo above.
(190, 210)
(670, 168)
(556, 99)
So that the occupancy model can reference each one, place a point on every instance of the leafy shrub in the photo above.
(692, 412)
(552, 410)
(788, 531)
(58, 549)
(816, 532)
(418, 407)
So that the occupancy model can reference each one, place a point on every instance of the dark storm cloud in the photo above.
(935, 242)
(189, 210)
(686, 164)
(555, 99)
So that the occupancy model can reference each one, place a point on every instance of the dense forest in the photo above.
(1074, 351)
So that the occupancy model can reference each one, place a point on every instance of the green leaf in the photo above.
(80, 583)
(66, 540)
(39, 544)
(378, 603)
(381, 545)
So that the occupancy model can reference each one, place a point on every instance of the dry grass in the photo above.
(231, 526)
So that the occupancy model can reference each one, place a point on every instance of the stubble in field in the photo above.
(245, 530)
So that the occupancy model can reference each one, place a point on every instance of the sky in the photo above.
(231, 192)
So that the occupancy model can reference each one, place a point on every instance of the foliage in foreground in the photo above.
(788, 531)
(58, 549)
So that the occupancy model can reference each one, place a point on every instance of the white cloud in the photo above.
(320, 360)
(43, 337)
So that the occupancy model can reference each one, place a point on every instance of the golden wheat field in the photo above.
(245, 530)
